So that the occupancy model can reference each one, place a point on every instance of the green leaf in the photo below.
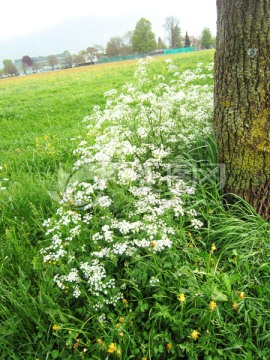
(227, 282)
(55, 354)
(218, 295)
(264, 267)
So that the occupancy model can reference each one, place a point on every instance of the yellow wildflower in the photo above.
(124, 301)
(213, 248)
(99, 341)
(121, 319)
(169, 346)
(182, 298)
(112, 348)
(195, 334)
(212, 305)
(55, 327)
(242, 295)
(118, 352)
(235, 306)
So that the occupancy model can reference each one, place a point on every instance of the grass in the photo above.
(224, 265)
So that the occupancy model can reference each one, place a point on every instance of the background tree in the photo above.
(187, 41)
(9, 67)
(27, 61)
(78, 59)
(206, 39)
(126, 49)
(52, 61)
(36, 66)
(173, 31)
(114, 46)
(143, 39)
(67, 59)
(176, 38)
(91, 53)
(161, 44)
(242, 99)
(100, 50)
(91, 50)
(127, 38)
(127, 43)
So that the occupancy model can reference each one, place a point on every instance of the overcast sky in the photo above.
(58, 25)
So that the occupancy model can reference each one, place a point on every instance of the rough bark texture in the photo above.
(242, 98)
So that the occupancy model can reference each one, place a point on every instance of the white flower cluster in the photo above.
(3, 181)
(153, 281)
(122, 209)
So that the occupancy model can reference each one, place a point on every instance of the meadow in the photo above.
(116, 239)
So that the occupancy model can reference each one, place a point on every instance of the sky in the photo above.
(47, 27)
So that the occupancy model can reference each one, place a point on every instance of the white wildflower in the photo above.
(196, 223)
(153, 281)
(104, 201)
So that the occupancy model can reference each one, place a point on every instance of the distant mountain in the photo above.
(72, 34)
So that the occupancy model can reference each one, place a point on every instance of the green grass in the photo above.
(39, 115)
(54, 104)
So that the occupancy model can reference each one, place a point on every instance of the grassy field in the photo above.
(194, 282)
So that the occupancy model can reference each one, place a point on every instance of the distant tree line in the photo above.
(143, 40)
(140, 40)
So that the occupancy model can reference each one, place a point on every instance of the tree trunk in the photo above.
(242, 99)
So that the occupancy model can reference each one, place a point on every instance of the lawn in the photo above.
(116, 240)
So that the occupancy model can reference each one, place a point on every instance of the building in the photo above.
(40, 64)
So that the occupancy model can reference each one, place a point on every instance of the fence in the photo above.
(178, 51)
(138, 56)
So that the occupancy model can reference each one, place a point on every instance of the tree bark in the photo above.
(242, 99)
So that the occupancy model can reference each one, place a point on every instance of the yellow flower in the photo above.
(195, 334)
(169, 346)
(235, 306)
(112, 348)
(144, 358)
(213, 248)
(121, 319)
(124, 301)
(55, 327)
(242, 295)
(99, 341)
(182, 298)
(212, 305)
(118, 352)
